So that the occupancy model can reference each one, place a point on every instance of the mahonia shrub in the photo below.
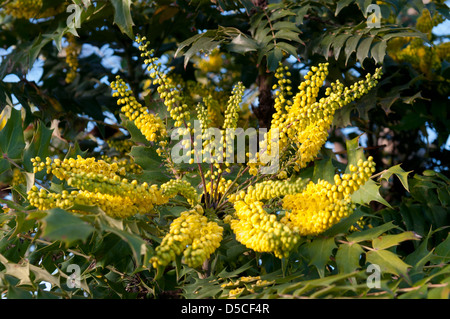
(425, 58)
(251, 150)
(268, 213)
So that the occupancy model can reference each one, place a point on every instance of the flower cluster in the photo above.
(257, 229)
(213, 64)
(310, 209)
(168, 89)
(29, 9)
(303, 122)
(151, 125)
(97, 184)
(322, 204)
(425, 22)
(61, 168)
(118, 206)
(191, 234)
(17, 177)
(270, 189)
(72, 51)
(181, 187)
(122, 146)
(214, 149)
(423, 57)
(244, 285)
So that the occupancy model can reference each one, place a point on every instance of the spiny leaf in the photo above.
(273, 57)
(20, 271)
(387, 241)
(399, 172)
(64, 226)
(148, 159)
(350, 45)
(344, 224)
(348, 257)
(367, 193)
(354, 153)
(341, 5)
(319, 252)
(388, 262)
(371, 233)
(378, 51)
(338, 43)
(136, 243)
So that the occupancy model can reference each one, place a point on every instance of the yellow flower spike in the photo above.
(321, 204)
(303, 123)
(72, 51)
(191, 234)
(260, 231)
(98, 185)
(182, 187)
(231, 112)
(151, 125)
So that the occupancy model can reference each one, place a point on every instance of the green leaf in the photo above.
(326, 281)
(149, 160)
(12, 140)
(378, 51)
(301, 12)
(286, 25)
(23, 224)
(20, 271)
(288, 35)
(18, 293)
(399, 172)
(347, 257)
(342, 117)
(354, 153)
(204, 44)
(344, 224)
(136, 243)
(420, 256)
(350, 46)
(341, 5)
(64, 226)
(367, 193)
(122, 16)
(363, 4)
(319, 252)
(444, 195)
(136, 134)
(242, 44)
(363, 49)
(38, 147)
(43, 275)
(323, 170)
(338, 43)
(278, 14)
(187, 42)
(273, 57)
(288, 48)
(442, 252)
(371, 233)
(388, 262)
(387, 241)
